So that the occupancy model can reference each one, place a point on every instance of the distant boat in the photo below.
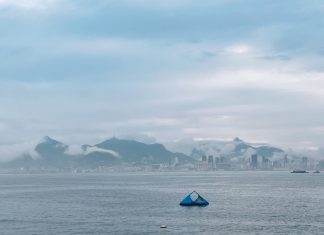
(299, 171)
(317, 171)
(194, 199)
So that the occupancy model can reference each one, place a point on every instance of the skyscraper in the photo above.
(254, 161)
(211, 162)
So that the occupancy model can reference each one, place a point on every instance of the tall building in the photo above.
(202, 165)
(254, 161)
(304, 163)
(204, 158)
(321, 164)
(266, 164)
(210, 159)
(211, 162)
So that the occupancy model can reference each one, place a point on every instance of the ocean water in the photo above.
(138, 203)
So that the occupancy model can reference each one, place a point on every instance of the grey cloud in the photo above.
(85, 70)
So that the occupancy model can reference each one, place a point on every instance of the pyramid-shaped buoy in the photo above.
(194, 199)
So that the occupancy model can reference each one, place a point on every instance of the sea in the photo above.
(250, 202)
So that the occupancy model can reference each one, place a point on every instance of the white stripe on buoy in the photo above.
(163, 226)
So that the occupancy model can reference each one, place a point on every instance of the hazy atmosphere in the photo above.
(145, 117)
(85, 70)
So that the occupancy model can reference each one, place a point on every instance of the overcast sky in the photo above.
(84, 70)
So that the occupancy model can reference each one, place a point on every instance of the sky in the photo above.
(81, 71)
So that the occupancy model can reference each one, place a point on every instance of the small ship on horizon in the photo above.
(299, 171)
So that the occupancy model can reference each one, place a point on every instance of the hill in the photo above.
(111, 152)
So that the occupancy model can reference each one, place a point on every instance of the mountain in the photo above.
(52, 152)
(233, 148)
(96, 159)
(134, 151)
(25, 161)
(268, 151)
(142, 138)
(112, 152)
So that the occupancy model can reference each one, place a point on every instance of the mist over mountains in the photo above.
(230, 149)
(139, 151)
(51, 153)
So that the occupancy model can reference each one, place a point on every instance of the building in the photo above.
(254, 161)
(204, 158)
(304, 163)
(266, 163)
(203, 164)
(156, 166)
(222, 163)
(321, 164)
(211, 162)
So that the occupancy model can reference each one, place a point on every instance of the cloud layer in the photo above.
(84, 70)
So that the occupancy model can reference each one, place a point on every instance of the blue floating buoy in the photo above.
(194, 199)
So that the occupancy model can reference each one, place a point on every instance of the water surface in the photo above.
(137, 203)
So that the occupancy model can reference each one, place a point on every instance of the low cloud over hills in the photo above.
(112, 152)
(51, 153)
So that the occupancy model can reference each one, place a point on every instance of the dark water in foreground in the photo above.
(137, 203)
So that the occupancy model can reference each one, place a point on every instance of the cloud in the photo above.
(86, 70)
(78, 150)
(238, 49)
(100, 150)
(11, 151)
(27, 4)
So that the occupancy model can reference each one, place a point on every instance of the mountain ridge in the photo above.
(231, 148)
(111, 152)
